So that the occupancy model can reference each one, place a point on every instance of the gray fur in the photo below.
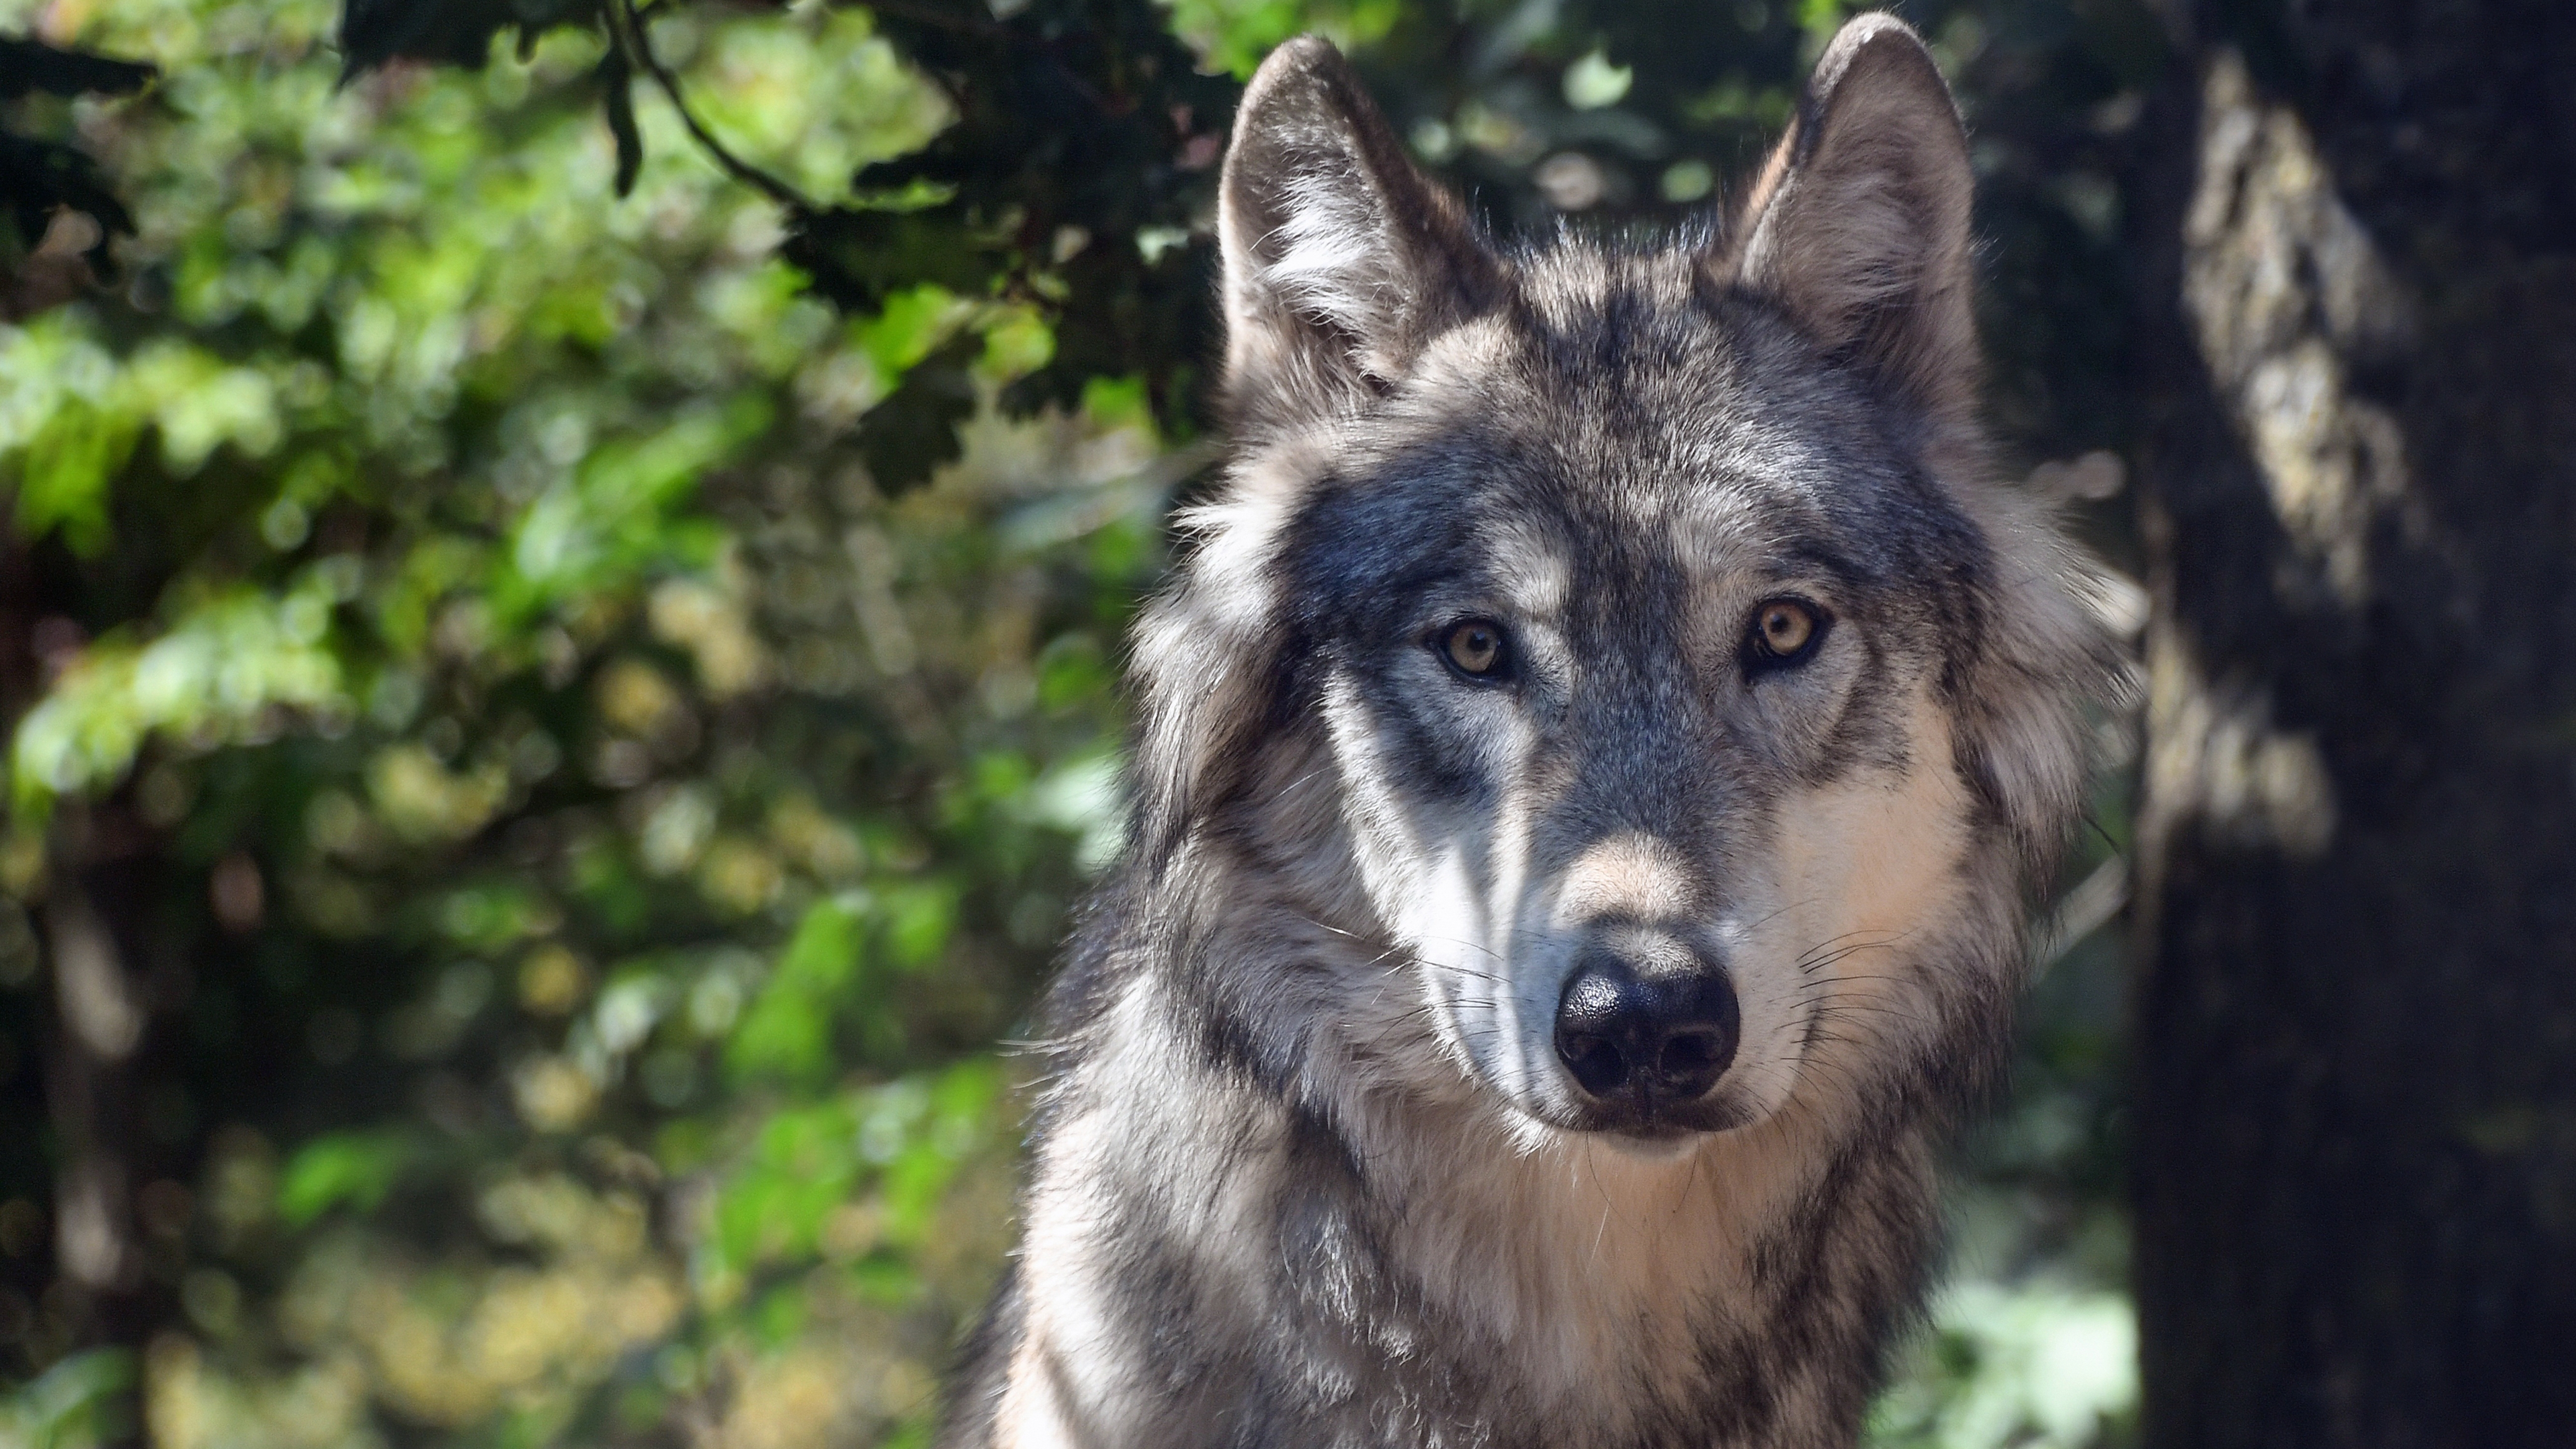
(1305, 1170)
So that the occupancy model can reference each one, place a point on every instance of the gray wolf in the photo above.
(1596, 759)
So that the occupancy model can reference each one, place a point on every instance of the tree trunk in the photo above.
(97, 903)
(2356, 1034)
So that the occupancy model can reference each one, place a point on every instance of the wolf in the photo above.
(1595, 763)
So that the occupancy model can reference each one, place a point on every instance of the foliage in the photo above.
(37, 175)
(74, 1402)
(568, 642)
(1070, 121)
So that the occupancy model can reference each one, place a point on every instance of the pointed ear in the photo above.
(1858, 228)
(1341, 260)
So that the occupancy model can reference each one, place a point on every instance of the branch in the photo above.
(627, 30)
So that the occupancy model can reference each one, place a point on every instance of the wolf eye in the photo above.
(1474, 648)
(1784, 630)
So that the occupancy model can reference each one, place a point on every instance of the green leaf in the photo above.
(824, 952)
(64, 477)
(802, 1166)
(788, 1030)
(351, 1167)
(918, 921)
(620, 512)
(79, 1401)
(220, 672)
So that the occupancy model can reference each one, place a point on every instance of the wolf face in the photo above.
(1666, 655)
(1629, 662)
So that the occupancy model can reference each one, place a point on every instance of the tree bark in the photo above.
(99, 1056)
(2356, 1015)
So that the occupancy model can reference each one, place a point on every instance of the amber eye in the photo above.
(1783, 628)
(1474, 648)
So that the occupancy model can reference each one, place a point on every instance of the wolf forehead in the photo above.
(1632, 430)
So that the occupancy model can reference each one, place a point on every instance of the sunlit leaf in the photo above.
(788, 1029)
(71, 1405)
(357, 1168)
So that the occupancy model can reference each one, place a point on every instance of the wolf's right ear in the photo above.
(1341, 259)
(1858, 227)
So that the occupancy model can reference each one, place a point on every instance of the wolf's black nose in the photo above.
(1656, 1040)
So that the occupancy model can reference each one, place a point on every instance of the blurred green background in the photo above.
(561, 682)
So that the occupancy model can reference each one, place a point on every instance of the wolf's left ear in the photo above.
(1341, 259)
(1858, 227)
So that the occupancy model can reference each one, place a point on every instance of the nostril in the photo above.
(1688, 1053)
(1701, 1026)
(1596, 1062)
(1597, 1021)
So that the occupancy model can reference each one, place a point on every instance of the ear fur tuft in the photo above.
(1341, 260)
(1858, 227)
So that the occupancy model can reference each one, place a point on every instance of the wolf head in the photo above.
(1625, 642)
